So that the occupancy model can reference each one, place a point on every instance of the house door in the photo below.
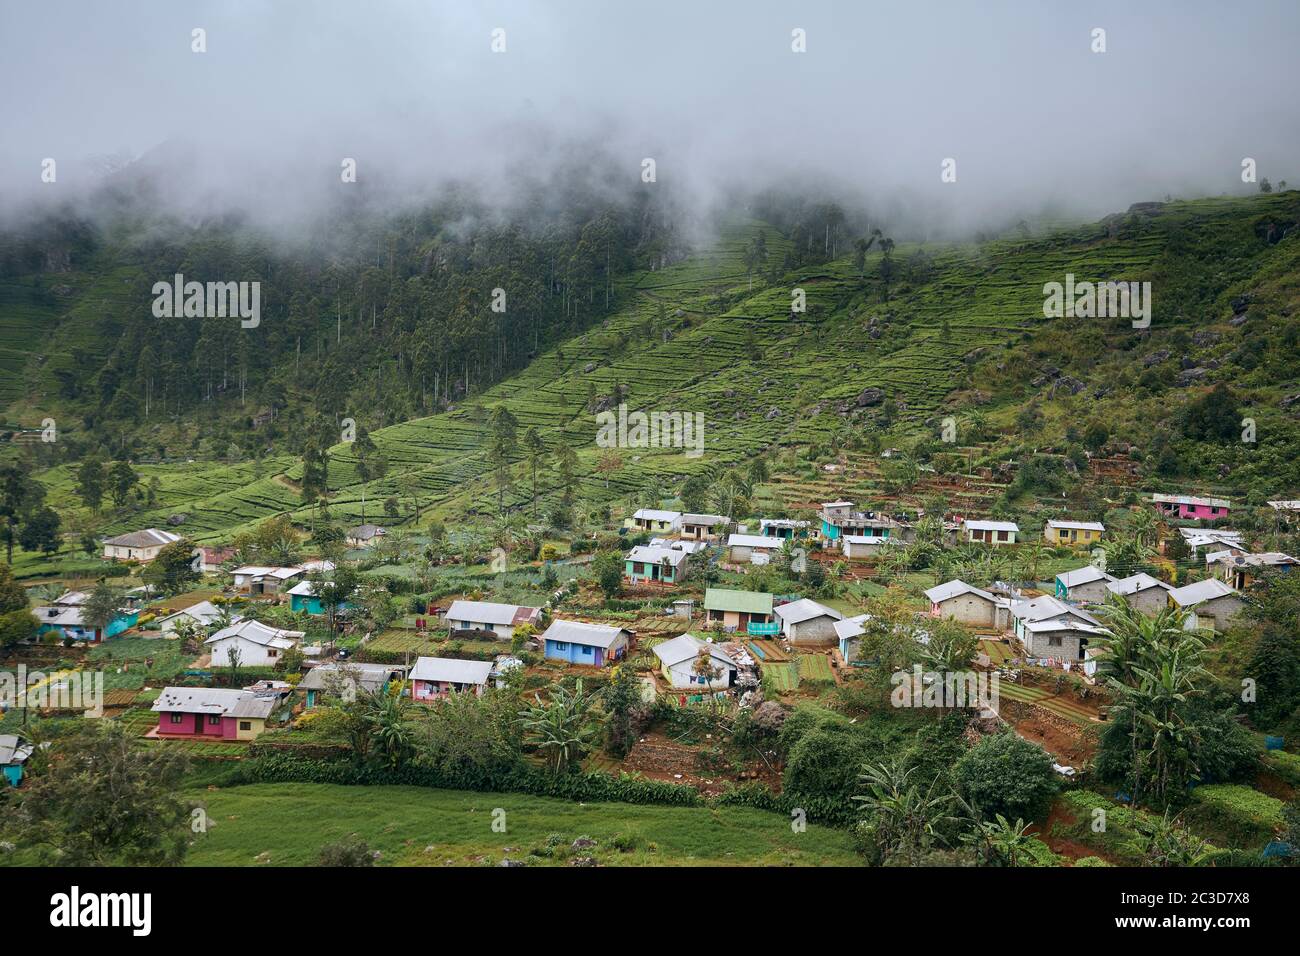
(198, 723)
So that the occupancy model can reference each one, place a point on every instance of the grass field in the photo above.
(290, 822)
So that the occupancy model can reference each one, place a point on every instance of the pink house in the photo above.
(434, 678)
(212, 713)
(1191, 508)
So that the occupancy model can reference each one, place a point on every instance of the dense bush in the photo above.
(1007, 775)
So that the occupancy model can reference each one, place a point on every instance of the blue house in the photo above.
(14, 751)
(302, 597)
(577, 642)
(66, 622)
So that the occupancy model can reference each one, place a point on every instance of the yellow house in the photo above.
(1073, 534)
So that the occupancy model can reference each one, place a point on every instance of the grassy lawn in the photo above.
(290, 822)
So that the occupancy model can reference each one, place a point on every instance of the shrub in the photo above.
(1007, 775)
(346, 853)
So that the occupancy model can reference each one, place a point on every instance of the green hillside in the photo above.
(958, 330)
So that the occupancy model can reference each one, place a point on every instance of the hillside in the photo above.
(958, 330)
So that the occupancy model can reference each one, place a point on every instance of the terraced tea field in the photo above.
(700, 336)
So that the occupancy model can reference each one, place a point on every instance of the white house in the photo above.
(138, 545)
(863, 545)
(256, 579)
(500, 619)
(1064, 637)
(677, 662)
(992, 532)
(257, 644)
(807, 622)
(745, 547)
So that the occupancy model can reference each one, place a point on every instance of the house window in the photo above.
(1002, 535)
(586, 651)
(561, 645)
(245, 725)
(272, 652)
(1053, 641)
(214, 719)
(176, 718)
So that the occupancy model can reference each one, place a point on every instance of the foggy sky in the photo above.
(711, 90)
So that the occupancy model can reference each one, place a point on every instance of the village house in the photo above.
(701, 527)
(807, 622)
(14, 753)
(255, 579)
(436, 678)
(1211, 539)
(676, 544)
(752, 548)
(1209, 604)
(303, 599)
(848, 634)
(364, 535)
(1050, 629)
(1086, 584)
(1241, 570)
(224, 713)
(654, 521)
(783, 528)
(967, 604)
(749, 611)
(66, 623)
(255, 644)
(498, 619)
(344, 680)
(677, 663)
(838, 518)
(1142, 592)
(1063, 638)
(992, 532)
(580, 643)
(142, 546)
(214, 556)
(1073, 534)
(1191, 508)
(864, 546)
(202, 615)
(654, 565)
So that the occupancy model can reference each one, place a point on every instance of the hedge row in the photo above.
(523, 778)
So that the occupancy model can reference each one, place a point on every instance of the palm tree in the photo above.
(1144, 524)
(1164, 841)
(999, 842)
(563, 728)
(901, 817)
